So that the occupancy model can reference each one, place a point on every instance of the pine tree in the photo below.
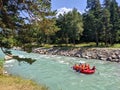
(94, 10)
(115, 21)
(71, 26)
(106, 26)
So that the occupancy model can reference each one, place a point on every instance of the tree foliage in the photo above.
(24, 20)
(102, 22)
(71, 26)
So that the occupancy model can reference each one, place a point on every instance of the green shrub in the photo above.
(1, 62)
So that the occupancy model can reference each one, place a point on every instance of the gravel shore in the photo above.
(106, 54)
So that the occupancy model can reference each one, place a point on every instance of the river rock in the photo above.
(77, 55)
(109, 59)
(119, 57)
(114, 56)
(8, 57)
(104, 59)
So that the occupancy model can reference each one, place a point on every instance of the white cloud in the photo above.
(63, 10)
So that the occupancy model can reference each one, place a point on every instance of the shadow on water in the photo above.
(19, 59)
(28, 60)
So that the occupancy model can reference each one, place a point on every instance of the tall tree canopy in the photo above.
(94, 15)
(102, 22)
(71, 26)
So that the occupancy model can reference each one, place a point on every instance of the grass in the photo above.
(8, 82)
(115, 46)
(90, 45)
(16, 83)
(1, 66)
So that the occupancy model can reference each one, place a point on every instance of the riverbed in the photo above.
(55, 72)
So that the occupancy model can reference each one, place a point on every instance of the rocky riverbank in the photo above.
(107, 54)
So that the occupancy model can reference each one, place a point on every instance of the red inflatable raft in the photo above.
(88, 71)
(85, 71)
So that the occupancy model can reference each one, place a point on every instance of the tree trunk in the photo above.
(74, 41)
(47, 39)
(96, 37)
(67, 40)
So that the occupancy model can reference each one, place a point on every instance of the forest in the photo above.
(25, 23)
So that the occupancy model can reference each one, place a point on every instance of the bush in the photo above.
(1, 66)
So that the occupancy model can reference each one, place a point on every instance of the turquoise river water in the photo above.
(56, 73)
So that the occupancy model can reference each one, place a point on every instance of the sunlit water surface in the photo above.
(56, 73)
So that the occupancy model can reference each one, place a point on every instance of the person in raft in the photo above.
(76, 67)
(82, 67)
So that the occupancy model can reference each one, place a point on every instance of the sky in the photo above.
(67, 5)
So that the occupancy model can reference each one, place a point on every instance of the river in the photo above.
(56, 73)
